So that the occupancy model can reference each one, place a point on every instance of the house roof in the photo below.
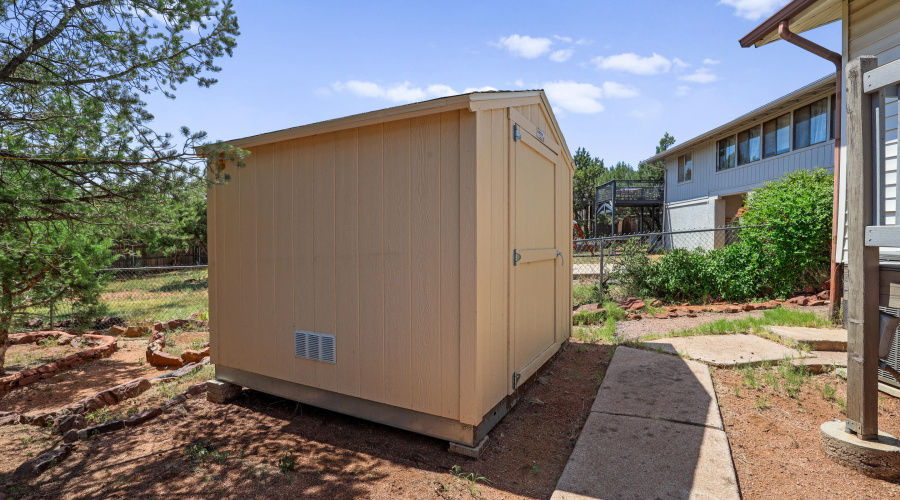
(474, 101)
(769, 110)
(802, 15)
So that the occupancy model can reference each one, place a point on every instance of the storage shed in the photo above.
(410, 266)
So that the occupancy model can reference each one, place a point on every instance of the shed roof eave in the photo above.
(822, 85)
(386, 114)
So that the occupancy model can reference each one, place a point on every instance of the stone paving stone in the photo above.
(726, 350)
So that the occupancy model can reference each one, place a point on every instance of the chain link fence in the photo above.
(132, 296)
(595, 260)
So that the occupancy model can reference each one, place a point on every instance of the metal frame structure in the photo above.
(630, 193)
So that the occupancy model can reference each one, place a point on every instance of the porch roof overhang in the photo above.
(801, 15)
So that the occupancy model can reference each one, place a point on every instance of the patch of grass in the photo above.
(100, 416)
(771, 317)
(470, 479)
(842, 404)
(793, 377)
(202, 450)
(748, 377)
(585, 292)
(762, 403)
(829, 392)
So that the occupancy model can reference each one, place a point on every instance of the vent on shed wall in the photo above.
(314, 346)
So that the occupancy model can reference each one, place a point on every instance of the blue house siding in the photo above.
(707, 182)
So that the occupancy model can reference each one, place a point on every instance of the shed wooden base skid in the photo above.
(402, 418)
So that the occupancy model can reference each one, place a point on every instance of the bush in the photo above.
(633, 267)
(789, 250)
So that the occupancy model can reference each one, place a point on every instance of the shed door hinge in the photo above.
(516, 134)
(516, 257)
(515, 380)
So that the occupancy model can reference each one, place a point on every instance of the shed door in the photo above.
(535, 260)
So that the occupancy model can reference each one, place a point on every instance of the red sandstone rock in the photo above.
(816, 303)
(117, 330)
(159, 358)
(729, 310)
(142, 417)
(661, 316)
(637, 305)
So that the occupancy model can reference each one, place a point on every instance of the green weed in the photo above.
(471, 479)
(287, 462)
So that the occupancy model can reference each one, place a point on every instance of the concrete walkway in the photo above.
(654, 432)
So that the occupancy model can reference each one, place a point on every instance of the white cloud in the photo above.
(711, 62)
(682, 90)
(561, 55)
(566, 39)
(754, 9)
(519, 83)
(398, 92)
(613, 89)
(525, 46)
(583, 41)
(479, 89)
(575, 97)
(633, 63)
(679, 63)
(702, 75)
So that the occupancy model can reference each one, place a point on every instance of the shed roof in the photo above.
(802, 15)
(773, 108)
(474, 101)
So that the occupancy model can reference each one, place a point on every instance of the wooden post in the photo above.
(862, 304)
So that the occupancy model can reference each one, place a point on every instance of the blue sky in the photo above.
(618, 73)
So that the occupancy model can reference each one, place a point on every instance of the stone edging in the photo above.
(38, 465)
(108, 345)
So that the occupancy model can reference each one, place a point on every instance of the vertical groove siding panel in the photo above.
(230, 265)
(448, 206)
(246, 352)
(498, 367)
(213, 236)
(425, 179)
(397, 264)
(371, 264)
(303, 255)
(468, 328)
(266, 357)
(346, 371)
(285, 288)
(483, 148)
(324, 203)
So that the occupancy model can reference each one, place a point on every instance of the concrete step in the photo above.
(725, 351)
(819, 339)
(822, 361)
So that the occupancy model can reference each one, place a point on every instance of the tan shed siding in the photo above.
(448, 221)
(303, 167)
(483, 233)
(468, 328)
(284, 227)
(498, 370)
(371, 265)
(212, 232)
(355, 233)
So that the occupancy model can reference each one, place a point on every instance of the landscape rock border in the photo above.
(108, 345)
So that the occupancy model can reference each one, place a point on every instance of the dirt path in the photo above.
(634, 330)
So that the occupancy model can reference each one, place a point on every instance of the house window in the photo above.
(726, 154)
(748, 143)
(685, 168)
(833, 107)
(811, 124)
(777, 136)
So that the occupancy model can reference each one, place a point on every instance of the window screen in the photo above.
(777, 136)
(811, 124)
(748, 145)
(726, 153)
(685, 168)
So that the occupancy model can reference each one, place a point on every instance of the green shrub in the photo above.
(793, 249)
(787, 251)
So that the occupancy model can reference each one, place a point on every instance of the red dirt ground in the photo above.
(776, 449)
(334, 456)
